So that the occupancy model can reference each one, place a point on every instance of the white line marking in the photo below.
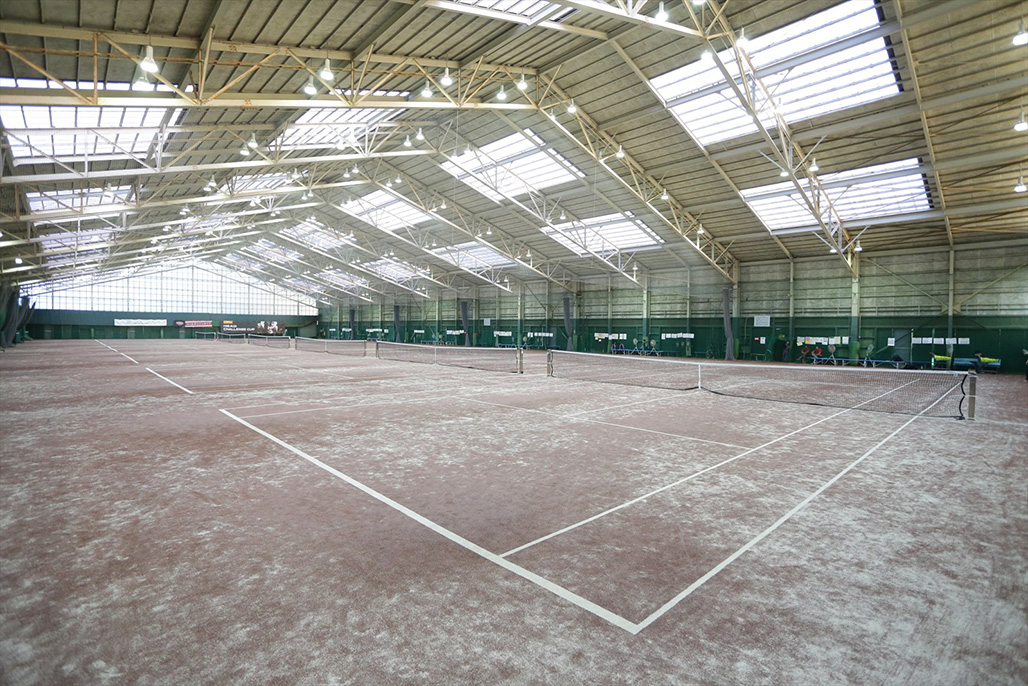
(694, 475)
(399, 401)
(117, 351)
(763, 534)
(598, 421)
(169, 381)
(619, 406)
(543, 583)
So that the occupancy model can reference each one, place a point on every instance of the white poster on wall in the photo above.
(761, 321)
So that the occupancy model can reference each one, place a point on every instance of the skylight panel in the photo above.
(881, 190)
(386, 211)
(343, 279)
(87, 131)
(512, 166)
(707, 107)
(317, 235)
(302, 285)
(603, 235)
(76, 199)
(242, 262)
(326, 126)
(522, 8)
(79, 240)
(395, 270)
(255, 182)
(473, 256)
(272, 252)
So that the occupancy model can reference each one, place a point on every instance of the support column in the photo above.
(521, 314)
(646, 307)
(792, 300)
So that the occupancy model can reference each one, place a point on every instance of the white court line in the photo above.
(169, 381)
(117, 351)
(598, 421)
(768, 531)
(399, 401)
(696, 474)
(617, 407)
(546, 584)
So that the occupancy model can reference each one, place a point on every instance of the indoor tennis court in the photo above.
(458, 510)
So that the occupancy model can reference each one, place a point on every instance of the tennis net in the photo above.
(932, 393)
(333, 346)
(269, 341)
(231, 337)
(205, 335)
(490, 359)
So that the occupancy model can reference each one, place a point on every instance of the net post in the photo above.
(699, 376)
(376, 349)
(521, 360)
(971, 390)
(549, 363)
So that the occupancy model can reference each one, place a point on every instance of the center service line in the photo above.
(546, 584)
(117, 351)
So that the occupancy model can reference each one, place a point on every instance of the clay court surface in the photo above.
(200, 512)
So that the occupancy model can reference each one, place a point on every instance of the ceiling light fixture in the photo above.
(700, 230)
(398, 180)
(1021, 37)
(1021, 124)
(1020, 187)
(706, 56)
(502, 94)
(406, 142)
(813, 165)
(17, 260)
(699, 3)
(420, 135)
(664, 195)
(833, 251)
(310, 88)
(858, 247)
(784, 173)
(252, 143)
(522, 84)
(661, 14)
(742, 42)
(149, 65)
(143, 82)
(572, 108)
(620, 154)
(426, 92)
(446, 80)
(326, 71)
(244, 151)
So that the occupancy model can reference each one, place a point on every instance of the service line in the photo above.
(541, 582)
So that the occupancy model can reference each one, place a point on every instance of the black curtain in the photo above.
(567, 323)
(353, 323)
(396, 323)
(466, 321)
(726, 305)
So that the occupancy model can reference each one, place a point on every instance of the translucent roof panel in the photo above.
(242, 262)
(76, 199)
(342, 279)
(81, 131)
(302, 285)
(394, 269)
(473, 256)
(317, 235)
(512, 166)
(325, 126)
(386, 211)
(708, 108)
(603, 235)
(272, 252)
(881, 190)
(79, 240)
(255, 182)
(522, 8)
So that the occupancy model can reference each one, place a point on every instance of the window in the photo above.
(323, 127)
(395, 270)
(802, 87)
(77, 199)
